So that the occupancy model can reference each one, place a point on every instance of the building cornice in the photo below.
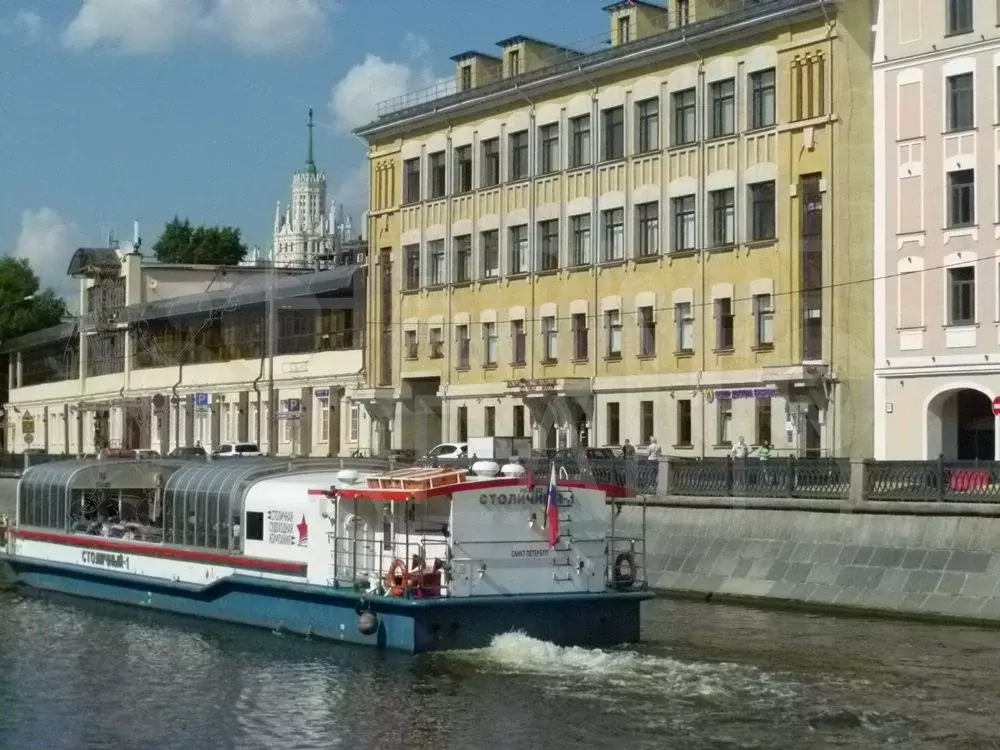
(676, 43)
(936, 55)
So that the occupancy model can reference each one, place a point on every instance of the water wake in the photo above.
(628, 671)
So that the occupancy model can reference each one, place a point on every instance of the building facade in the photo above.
(167, 355)
(667, 238)
(937, 230)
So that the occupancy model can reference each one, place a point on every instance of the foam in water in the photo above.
(627, 670)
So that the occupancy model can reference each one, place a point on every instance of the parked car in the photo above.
(227, 450)
(188, 451)
(448, 452)
(598, 464)
(146, 453)
(116, 453)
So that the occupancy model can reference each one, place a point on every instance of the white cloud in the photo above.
(155, 26)
(351, 191)
(268, 26)
(132, 26)
(25, 23)
(46, 240)
(355, 97)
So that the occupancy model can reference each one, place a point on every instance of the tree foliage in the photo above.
(182, 243)
(24, 306)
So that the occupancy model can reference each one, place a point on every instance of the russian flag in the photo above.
(552, 509)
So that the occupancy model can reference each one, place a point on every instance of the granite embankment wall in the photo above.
(901, 558)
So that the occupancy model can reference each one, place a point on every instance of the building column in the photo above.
(44, 443)
(336, 428)
(161, 419)
(304, 431)
(189, 420)
(215, 417)
(66, 417)
(243, 417)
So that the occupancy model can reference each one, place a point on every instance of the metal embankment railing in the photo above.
(786, 477)
(932, 481)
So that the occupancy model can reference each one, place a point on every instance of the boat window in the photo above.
(255, 526)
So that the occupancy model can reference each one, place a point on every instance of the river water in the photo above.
(85, 675)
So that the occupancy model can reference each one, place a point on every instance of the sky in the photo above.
(119, 110)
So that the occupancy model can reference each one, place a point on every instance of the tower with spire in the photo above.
(300, 231)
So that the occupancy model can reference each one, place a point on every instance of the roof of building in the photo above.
(532, 40)
(469, 54)
(89, 259)
(627, 3)
(51, 335)
(338, 281)
(417, 109)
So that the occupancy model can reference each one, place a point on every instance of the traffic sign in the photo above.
(996, 407)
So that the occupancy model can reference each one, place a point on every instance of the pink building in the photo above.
(937, 229)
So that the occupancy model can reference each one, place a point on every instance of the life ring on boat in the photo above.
(623, 573)
(398, 577)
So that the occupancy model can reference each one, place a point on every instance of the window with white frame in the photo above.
(762, 99)
(410, 344)
(548, 148)
(518, 143)
(960, 104)
(462, 247)
(438, 270)
(411, 256)
(962, 296)
(613, 326)
(685, 117)
(579, 227)
(961, 198)
(490, 168)
(579, 141)
(489, 421)
(518, 250)
(647, 331)
(763, 314)
(684, 223)
(724, 324)
(724, 420)
(613, 133)
(354, 429)
(463, 169)
(959, 16)
(550, 339)
(436, 165)
(613, 235)
(684, 325)
(647, 236)
(490, 249)
(762, 211)
(647, 125)
(723, 206)
(490, 344)
(723, 108)
(548, 245)
(518, 341)
(323, 409)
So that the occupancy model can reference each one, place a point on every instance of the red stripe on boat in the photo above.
(169, 553)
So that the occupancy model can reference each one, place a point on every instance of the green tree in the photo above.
(24, 306)
(182, 243)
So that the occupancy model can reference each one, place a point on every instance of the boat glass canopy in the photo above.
(203, 502)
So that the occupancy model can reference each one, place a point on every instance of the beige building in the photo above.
(669, 237)
(170, 355)
(937, 368)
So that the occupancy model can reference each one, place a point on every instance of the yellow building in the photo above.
(669, 237)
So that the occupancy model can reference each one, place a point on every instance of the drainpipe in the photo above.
(703, 258)
(177, 404)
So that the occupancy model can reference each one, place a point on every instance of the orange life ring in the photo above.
(398, 577)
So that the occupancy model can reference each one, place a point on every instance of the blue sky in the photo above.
(114, 110)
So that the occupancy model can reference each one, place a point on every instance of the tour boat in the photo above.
(420, 559)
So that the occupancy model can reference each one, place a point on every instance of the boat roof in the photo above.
(427, 484)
